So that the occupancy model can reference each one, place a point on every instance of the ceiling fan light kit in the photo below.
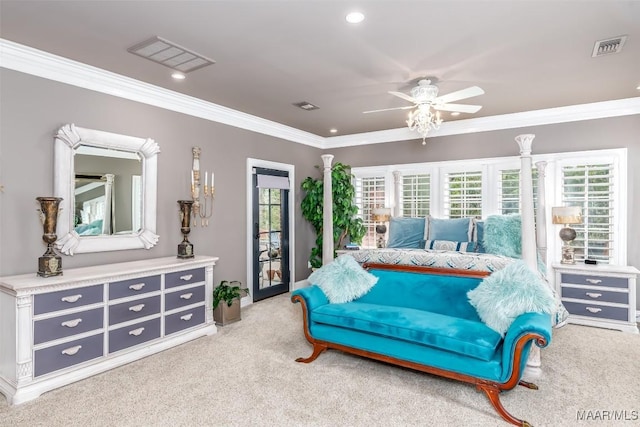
(427, 106)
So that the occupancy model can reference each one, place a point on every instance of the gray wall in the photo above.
(32, 109)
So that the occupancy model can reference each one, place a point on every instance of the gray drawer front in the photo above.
(595, 280)
(69, 298)
(182, 298)
(52, 358)
(135, 309)
(612, 313)
(139, 333)
(67, 325)
(595, 295)
(185, 277)
(183, 320)
(132, 287)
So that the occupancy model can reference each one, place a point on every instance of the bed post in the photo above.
(327, 211)
(541, 216)
(397, 183)
(529, 254)
(526, 202)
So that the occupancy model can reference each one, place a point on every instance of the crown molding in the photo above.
(572, 113)
(32, 61)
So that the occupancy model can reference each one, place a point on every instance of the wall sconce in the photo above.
(381, 215)
(205, 209)
(565, 216)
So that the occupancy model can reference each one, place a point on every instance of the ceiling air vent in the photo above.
(609, 46)
(307, 106)
(170, 55)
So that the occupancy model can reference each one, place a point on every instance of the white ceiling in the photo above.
(526, 55)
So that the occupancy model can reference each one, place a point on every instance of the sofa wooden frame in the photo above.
(491, 388)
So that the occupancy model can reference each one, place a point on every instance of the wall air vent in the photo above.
(307, 106)
(170, 55)
(609, 46)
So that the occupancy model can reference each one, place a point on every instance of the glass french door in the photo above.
(271, 237)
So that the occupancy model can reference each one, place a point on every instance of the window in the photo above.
(591, 187)
(509, 190)
(416, 194)
(370, 194)
(463, 194)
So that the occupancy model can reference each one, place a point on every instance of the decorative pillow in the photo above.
(478, 235)
(455, 230)
(503, 235)
(508, 293)
(447, 245)
(407, 233)
(343, 280)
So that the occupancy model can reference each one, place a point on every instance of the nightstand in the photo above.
(599, 295)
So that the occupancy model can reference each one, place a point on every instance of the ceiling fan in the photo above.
(427, 94)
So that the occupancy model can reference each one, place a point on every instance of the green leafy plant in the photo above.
(346, 224)
(228, 291)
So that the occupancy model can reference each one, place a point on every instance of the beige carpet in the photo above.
(246, 376)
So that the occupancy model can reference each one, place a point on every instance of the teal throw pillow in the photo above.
(478, 235)
(343, 280)
(454, 230)
(503, 235)
(406, 233)
(508, 293)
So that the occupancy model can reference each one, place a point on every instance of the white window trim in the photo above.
(490, 168)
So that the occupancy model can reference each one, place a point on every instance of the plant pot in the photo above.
(224, 315)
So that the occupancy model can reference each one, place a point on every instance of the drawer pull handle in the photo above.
(136, 332)
(593, 294)
(186, 277)
(593, 309)
(71, 323)
(71, 350)
(136, 287)
(186, 317)
(186, 296)
(136, 308)
(71, 298)
(594, 281)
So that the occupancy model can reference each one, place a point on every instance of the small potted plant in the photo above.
(226, 301)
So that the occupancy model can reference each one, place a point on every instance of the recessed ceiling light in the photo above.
(455, 113)
(355, 17)
(333, 130)
(178, 76)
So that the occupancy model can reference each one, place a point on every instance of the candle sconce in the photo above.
(202, 206)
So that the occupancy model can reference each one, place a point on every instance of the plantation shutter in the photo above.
(463, 194)
(592, 188)
(416, 195)
(509, 190)
(370, 194)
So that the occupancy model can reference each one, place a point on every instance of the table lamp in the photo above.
(567, 215)
(381, 215)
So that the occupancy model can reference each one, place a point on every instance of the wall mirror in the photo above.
(108, 183)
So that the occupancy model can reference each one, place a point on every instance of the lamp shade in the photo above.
(381, 214)
(566, 215)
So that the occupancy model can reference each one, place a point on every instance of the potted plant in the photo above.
(346, 225)
(226, 301)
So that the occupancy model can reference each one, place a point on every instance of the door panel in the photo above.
(271, 243)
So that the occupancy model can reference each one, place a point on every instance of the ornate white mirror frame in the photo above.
(68, 138)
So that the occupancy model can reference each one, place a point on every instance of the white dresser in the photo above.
(599, 295)
(57, 330)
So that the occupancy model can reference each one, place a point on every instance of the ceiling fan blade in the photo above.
(389, 109)
(460, 94)
(463, 108)
(403, 96)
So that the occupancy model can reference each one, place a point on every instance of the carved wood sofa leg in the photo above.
(493, 393)
(528, 385)
(317, 349)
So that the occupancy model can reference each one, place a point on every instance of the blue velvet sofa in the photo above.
(420, 318)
